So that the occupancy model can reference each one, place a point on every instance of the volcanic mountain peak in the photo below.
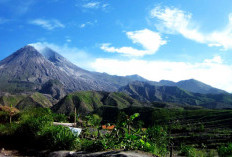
(60, 62)
(35, 65)
(24, 53)
(52, 55)
(32, 66)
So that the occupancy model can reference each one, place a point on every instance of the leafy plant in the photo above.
(36, 130)
(58, 138)
(188, 151)
(59, 117)
(225, 150)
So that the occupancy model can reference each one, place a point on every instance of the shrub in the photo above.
(225, 150)
(36, 130)
(158, 135)
(59, 117)
(92, 145)
(58, 138)
(30, 127)
(8, 129)
(190, 151)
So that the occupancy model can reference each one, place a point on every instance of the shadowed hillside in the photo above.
(88, 101)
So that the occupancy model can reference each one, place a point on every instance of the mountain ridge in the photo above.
(30, 69)
(191, 85)
(27, 66)
(146, 92)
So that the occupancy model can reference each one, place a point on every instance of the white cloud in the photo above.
(104, 6)
(82, 25)
(216, 59)
(92, 5)
(175, 21)
(210, 71)
(68, 40)
(95, 5)
(149, 40)
(47, 24)
(89, 23)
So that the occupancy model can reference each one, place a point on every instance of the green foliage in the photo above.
(125, 136)
(8, 129)
(30, 127)
(59, 117)
(94, 120)
(11, 99)
(188, 151)
(225, 150)
(58, 138)
(93, 145)
(35, 129)
(158, 135)
(35, 113)
(90, 101)
(41, 99)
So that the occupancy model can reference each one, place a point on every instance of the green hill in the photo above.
(13, 100)
(89, 101)
(24, 101)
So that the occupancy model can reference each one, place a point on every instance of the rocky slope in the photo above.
(191, 85)
(146, 92)
(29, 69)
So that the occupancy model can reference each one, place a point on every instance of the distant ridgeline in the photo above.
(43, 78)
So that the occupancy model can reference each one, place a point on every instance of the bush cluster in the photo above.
(35, 128)
(126, 136)
(225, 150)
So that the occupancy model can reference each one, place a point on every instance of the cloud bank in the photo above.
(211, 71)
(149, 40)
(175, 21)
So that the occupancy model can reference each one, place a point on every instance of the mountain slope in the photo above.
(8, 100)
(150, 93)
(198, 87)
(192, 86)
(136, 78)
(89, 101)
(34, 100)
(53, 87)
(27, 66)
(25, 101)
(30, 69)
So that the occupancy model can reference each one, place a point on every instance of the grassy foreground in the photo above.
(155, 130)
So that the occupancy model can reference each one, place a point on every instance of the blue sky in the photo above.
(157, 39)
